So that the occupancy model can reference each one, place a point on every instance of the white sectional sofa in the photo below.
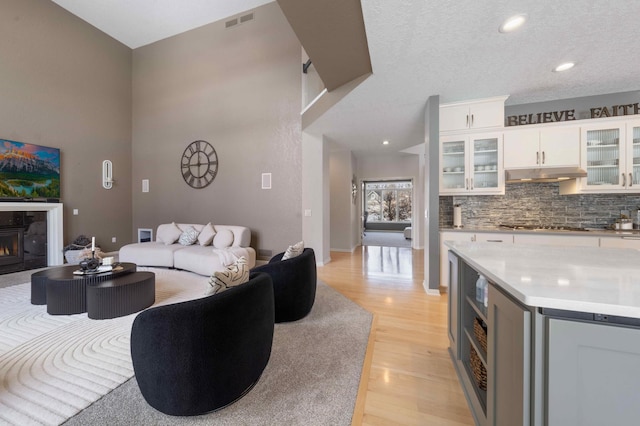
(228, 244)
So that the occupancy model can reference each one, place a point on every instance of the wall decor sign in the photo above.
(570, 114)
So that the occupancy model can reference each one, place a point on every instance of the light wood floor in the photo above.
(408, 377)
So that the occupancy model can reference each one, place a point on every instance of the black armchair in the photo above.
(294, 284)
(201, 355)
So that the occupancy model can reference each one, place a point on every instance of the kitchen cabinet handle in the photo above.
(630, 180)
(631, 238)
(624, 180)
(467, 183)
(471, 183)
(542, 157)
(467, 125)
(495, 241)
(471, 120)
(538, 157)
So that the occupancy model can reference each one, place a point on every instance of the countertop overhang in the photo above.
(582, 279)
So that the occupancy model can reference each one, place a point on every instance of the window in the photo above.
(388, 201)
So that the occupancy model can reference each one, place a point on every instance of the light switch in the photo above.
(75, 212)
(113, 239)
(145, 185)
(307, 212)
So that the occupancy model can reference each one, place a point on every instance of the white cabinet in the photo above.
(493, 237)
(542, 147)
(458, 236)
(630, 241)
(471, 164)
(611, 156)
(477, 114)
(557, 240)
(444, 252)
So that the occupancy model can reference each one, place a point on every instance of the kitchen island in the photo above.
(559, 340)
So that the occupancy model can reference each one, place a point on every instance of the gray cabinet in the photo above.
(467, 352)
(593, 374)
(453, 310)
(509, 361)
(502, 354)
(543, 366)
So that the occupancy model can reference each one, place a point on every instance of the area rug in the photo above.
(77, 371)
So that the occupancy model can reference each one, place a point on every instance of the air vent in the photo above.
(245, 18)
(231, 23)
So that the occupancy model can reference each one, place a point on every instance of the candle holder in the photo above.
(90, 264)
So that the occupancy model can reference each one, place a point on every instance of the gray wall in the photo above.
(65, 84)
(240, 90)
(394, 165)
(538, 204)
(344, 223)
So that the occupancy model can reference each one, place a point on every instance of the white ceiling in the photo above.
(422, 48)
(137, 23)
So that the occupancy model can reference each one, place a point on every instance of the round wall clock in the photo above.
(199, 164)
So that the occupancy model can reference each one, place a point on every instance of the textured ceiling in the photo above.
(453, 49)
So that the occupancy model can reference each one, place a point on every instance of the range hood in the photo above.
(546, 174)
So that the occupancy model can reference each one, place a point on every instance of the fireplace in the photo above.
(23, 240)
(11, 249)
(50, 214)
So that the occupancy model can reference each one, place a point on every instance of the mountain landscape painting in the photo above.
(29, 171)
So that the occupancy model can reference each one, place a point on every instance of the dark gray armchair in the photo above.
(201, 355)
(294, 284)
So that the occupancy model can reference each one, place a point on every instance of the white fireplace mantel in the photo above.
(55, 235)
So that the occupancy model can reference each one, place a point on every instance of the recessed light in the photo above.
(513, 23)
(564, 67)
(385, 142)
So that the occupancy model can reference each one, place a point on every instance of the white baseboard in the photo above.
(322, 263)
(341, 250)
(430, 291)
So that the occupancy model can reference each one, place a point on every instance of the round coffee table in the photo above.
(63, 292)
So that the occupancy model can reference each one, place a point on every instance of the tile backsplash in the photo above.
(538, 204)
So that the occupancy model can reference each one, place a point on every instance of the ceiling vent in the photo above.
(237, 21)
(245, 18)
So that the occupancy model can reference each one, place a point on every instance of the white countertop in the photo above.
(584, 279)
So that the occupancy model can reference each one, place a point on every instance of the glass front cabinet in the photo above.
(471, 164)
(611, 155)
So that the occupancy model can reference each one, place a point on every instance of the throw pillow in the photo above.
(223, 238)
(293, 251)
(189, 236)
(169, 233)
(235, 274)
(206, 235)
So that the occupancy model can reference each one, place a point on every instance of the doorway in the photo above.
(387, 209)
